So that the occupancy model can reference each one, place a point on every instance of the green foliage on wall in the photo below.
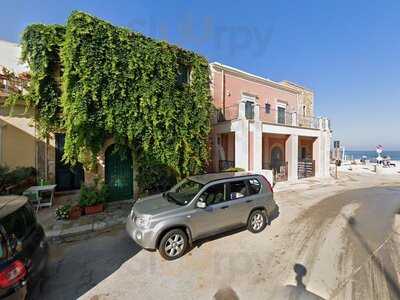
(40, 49)
(121, 84)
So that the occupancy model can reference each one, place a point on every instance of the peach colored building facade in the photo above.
(267, 126)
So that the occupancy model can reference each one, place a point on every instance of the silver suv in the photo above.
(198, 207)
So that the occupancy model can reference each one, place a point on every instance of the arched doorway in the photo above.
(119, 172)
(276, 158)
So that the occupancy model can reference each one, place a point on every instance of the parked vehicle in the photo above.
(199, 207)
(23, 249)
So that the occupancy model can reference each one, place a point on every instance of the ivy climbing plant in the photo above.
(94, 81)
(40, 50)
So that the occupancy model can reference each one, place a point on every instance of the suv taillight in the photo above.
(12, 274)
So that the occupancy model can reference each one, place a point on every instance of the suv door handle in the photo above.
(223, 207)
(248, 201)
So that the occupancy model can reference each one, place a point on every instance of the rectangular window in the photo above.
(249, 110)
(214, 194)
(237, 190)
(281, 115)
(183, 74)
(254, 186)
(267, 108)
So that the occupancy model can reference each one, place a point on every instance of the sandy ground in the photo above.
(333, 240)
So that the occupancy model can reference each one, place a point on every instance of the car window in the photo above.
(183, 192)
(237, 189)
(20, 223)
(254, 186)
(214, 194)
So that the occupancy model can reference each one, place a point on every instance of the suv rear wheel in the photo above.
(257, 221)
(173, 244)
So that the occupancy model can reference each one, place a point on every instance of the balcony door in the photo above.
(281, 115)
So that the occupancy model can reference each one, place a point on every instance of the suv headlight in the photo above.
(143, 221)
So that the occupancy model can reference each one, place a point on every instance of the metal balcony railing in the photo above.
(7, 86)
(308, 122)
(227, 114)
(269, 115)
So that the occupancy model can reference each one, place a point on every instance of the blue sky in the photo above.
(346, 51)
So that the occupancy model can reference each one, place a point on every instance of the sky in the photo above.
(347, 52)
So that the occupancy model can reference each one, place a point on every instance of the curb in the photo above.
(57, 236)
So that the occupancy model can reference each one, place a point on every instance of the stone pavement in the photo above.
(61, 230)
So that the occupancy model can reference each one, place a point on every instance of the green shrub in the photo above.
(15, 177)
(156, 178)
(93, 194)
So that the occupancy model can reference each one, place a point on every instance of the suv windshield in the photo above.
(20, 223)
(183, 192)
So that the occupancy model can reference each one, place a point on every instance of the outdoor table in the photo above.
(37, 189)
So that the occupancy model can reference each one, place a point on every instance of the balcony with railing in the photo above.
(7, 86)
(280, 116)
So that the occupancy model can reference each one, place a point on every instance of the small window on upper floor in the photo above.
(267, 108)
(183, 75)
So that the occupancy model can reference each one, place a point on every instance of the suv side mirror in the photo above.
(201, 204)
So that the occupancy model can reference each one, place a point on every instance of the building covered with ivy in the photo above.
(111, 103)
(106, 102)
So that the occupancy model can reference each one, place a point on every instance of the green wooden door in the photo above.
(119, 173)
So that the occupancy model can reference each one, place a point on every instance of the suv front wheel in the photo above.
(257, 221)
(173, 244)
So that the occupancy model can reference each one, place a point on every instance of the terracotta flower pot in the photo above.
(75, 212)
(94, 209)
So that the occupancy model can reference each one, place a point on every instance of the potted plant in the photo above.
(93, 197)
(62, 213)
(75, 212)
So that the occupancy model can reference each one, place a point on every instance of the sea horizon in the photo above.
(357, 154)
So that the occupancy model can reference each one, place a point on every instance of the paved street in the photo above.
(332, 255)
(78, 266)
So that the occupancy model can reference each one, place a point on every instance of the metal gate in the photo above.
(306, 168)
(119, 172)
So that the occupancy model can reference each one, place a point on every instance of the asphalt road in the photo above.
(313, 251)
(76, 267)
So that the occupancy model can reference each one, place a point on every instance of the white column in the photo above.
(294, 119)
(292, 156)
(242, 144)
(318, 156)
(242, 110)
(257, 142)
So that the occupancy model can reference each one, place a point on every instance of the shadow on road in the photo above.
(298, 291)
(75, 268)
